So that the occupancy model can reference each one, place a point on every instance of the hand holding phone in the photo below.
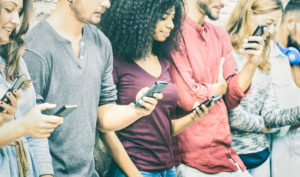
(17, 84)
(158, 87)
(208, 102)
(65, 110)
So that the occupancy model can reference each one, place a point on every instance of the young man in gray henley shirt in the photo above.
(70, 62)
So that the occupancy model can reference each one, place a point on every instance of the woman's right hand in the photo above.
(148, 103)
(39, 125)
(254, 48)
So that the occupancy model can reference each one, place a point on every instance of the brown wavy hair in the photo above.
(238, 26)
(14, 49)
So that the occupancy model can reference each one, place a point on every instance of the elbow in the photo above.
(101, 126)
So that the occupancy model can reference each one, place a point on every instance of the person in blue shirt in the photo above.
(23, 128)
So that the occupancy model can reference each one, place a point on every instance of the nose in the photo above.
(170, 24)
(15, 18)
(105, 3)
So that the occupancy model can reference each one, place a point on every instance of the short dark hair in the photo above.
(292, 7)
(130, 26)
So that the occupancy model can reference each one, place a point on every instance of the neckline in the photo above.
(149, 74)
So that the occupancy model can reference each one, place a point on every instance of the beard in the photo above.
(208, 11)
(293, 43)
(75, 6)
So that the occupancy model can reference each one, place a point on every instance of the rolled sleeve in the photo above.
(234, 94)
(108, 89)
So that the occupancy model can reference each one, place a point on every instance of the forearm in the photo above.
(116, 117)
(178, 125)
(245, 76)
(11, 131)
(242, 120)
(282, 117)
(119, 154)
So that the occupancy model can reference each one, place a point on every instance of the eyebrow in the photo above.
(11, 2)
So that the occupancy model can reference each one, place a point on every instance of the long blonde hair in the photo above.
(239, 28)
(15, 48)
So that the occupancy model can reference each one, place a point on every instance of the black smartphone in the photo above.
(66, 110)
(259, 31)
(17, 84)
(208, 102)
(158, 87)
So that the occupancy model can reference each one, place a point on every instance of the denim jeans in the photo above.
(261, 171)
(115, 171)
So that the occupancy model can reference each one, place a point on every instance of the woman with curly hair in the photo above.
(20, 121)
(142, 33)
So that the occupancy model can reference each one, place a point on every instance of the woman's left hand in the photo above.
(9, 109)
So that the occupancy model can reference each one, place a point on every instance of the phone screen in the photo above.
(66, 110)
(208, 102)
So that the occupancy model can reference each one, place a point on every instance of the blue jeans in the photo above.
(115, 171)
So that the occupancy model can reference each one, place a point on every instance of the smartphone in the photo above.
(17, 84)
(158, 87)
(259, 31)
(66, 110)
(208, 102)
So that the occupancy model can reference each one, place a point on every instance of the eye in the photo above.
(8, 10)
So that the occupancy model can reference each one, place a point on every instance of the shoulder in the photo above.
(38, 40)
(218, 31)
(97, 35)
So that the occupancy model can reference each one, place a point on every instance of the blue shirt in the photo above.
(37, 151)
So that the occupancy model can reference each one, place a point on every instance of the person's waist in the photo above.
(15, 143)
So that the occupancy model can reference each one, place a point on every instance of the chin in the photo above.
(4, 40)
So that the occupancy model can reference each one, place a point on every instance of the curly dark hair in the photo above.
(130, 26)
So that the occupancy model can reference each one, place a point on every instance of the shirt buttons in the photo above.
(81, 57)
(82, 43)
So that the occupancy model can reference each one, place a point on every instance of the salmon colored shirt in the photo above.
(206, 144)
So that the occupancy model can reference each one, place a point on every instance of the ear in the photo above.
(290, 24)
(251, 12)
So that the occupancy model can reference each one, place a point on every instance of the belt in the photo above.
(21, 157)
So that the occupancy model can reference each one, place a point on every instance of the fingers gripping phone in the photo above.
(259, 31)
(66, 110)
(17, 84)
(158, 87)
(208, 102)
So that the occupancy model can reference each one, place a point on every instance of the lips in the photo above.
(166, 33)
(8, 29)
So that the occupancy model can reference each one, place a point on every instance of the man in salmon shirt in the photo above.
(199, 72)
